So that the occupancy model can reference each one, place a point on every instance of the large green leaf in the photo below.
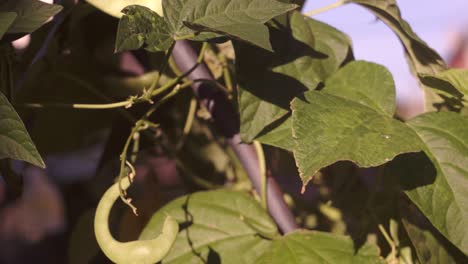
(216, 227)
(140, 26)
(31, 14)
(302, 247)
(6, 19)
(115, 7)
(422, 58)
(238, 18)
(440, 192)
(15, 142)
(306, 52)
(328, 128)
(368, 83)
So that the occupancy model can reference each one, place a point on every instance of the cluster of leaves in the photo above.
(299, 89)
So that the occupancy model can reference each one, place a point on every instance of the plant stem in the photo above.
(76, 106)
(393, 252)
(226, 73)
(326, 8)
(262, 166)
(188, 122)
(162, 69)
(188, 36)
(226, 120)
(127, 103)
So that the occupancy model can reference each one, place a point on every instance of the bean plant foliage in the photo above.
(387, 190)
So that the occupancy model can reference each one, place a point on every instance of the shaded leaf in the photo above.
(223, 225)
(31, 14)
(327, 128)
(6, 19)
(15, 142)
(441, 196)
(242, 19)
(142, 27)
(306, 52)
(303, 247)
(115, 7)
(368, 83)
(422, 58)
(429, 247)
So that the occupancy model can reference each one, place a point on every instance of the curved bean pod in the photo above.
(134, 252)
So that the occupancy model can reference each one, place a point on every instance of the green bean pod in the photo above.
(134, 252)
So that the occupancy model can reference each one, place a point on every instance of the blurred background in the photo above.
(442, 24)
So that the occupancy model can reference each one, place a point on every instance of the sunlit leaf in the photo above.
(328, 128)
(242, 19)
(216, 227)
(367, 83)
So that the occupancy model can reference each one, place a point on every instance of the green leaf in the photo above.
(242, 19)
(303, 247)
(440, 192)
(255, 34)
(216, 227)
(115, 7)
(422, 58)
(280, 135)
(15, 142)
(368, 83)
(31, 14)
(328, 128)
(142, 27)
(6, 19)
(430, 249)
(306, 52)
(450, 83)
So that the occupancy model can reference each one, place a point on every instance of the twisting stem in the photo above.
(143, 123)
(326, 8)
(162, 69)
(226, 120)
(263, 175)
